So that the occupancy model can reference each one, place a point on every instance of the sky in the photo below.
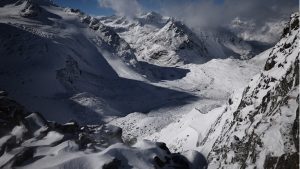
(195, 13)
(94, 7)
(88, 6)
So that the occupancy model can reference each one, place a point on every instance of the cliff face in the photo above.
(259, 128)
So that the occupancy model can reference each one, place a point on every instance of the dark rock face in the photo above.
(270, 64)
(180, 161)
(164, 147)
(30, 10)
(11, 114)
(172, 161)
(293, 25)
(158, 162)
(295, 130)
(3, 93)
(282, 162)
(70, 73)
(25, 155)
(114, 164)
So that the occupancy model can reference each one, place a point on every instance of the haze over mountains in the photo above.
(223, 97)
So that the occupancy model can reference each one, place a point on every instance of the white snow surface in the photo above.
(68, 65)
(151, 76)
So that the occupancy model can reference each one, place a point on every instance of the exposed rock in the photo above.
(114, 164)
(261, 128)
(31, 9)
(11, 115)
(25, 155)
(3, 93)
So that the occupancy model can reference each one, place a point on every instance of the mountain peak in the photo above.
(151, 15)
(292, 25)
(19, 2)
(151, 18)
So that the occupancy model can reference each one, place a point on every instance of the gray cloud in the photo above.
(264, 16)
(129, 8)
(206, 13)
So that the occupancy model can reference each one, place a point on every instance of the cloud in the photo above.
(201, 15)
(209, 14)
(128, 8)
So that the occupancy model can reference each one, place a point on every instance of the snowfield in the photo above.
(146, 92)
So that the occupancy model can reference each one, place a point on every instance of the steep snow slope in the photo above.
(262, 126)
(70, 66)
(258, 127)
(166, 41)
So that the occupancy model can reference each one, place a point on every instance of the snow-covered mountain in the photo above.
(166, 41)
(159, 40)
(150, 77)
(68, 65)
(259, 125)
(58, 59)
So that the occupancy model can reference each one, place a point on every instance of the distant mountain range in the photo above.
(95, 88)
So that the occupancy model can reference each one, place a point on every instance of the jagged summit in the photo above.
(168, 42)
(164, 39)
(151, 18)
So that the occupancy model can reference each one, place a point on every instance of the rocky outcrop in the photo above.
(70, 73)
(21, 130)
(30, 10)
(260, 129)
(25, 135)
